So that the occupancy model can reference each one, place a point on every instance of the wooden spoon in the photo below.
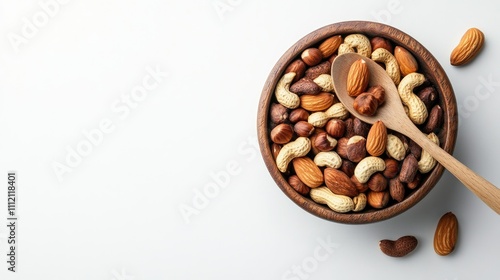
(392, 114)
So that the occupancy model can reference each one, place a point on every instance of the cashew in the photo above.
(298, 148)
(359, 42)
(283, 94)
(338, 203)
(345, 48)
(395, 147)
(416, 107)
(391, 64)
(426, 162)
(359, 202)
(325, 82)
(330, 159)
(367, 167)
(336, 111)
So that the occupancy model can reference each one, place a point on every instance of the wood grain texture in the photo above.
(428, 66)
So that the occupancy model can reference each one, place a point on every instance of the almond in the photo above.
(376, 141)
(308, 172)
(357, 78)
(330, 45)
(339, 183)
(316, 102)
(406, 61)
(468, 47)
(445, 237)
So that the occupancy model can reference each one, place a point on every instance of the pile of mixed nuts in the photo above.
(337, 159)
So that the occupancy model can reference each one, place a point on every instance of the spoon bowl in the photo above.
(392, 114)
(392, 106)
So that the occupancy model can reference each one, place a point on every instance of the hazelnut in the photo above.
(312, 56)
(282, 133)
(335, 127)
(415, 149)
(313, 137)
(356, 148)
(298, 67)
(377, 182)
(378, 92)
(379, 42)
(324, 142)
(378, 199)
(365, 104)
(299, 114)
(428, 95)
(349, 128)
(298, 185)
(278, 113)
(276, 149)
(347, 167)
(303, 128)
(391, 168)
(360, 127)
(342, 147)
(361, 187)
(415, 182)
(332, 57)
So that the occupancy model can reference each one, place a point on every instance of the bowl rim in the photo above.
(427, 64)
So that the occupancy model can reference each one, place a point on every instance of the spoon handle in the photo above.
(485, 190)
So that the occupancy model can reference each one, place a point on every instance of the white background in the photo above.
(115, 212)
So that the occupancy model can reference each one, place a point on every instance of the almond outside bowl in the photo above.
(428, 65)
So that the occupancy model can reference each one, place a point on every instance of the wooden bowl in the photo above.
(428, 65)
